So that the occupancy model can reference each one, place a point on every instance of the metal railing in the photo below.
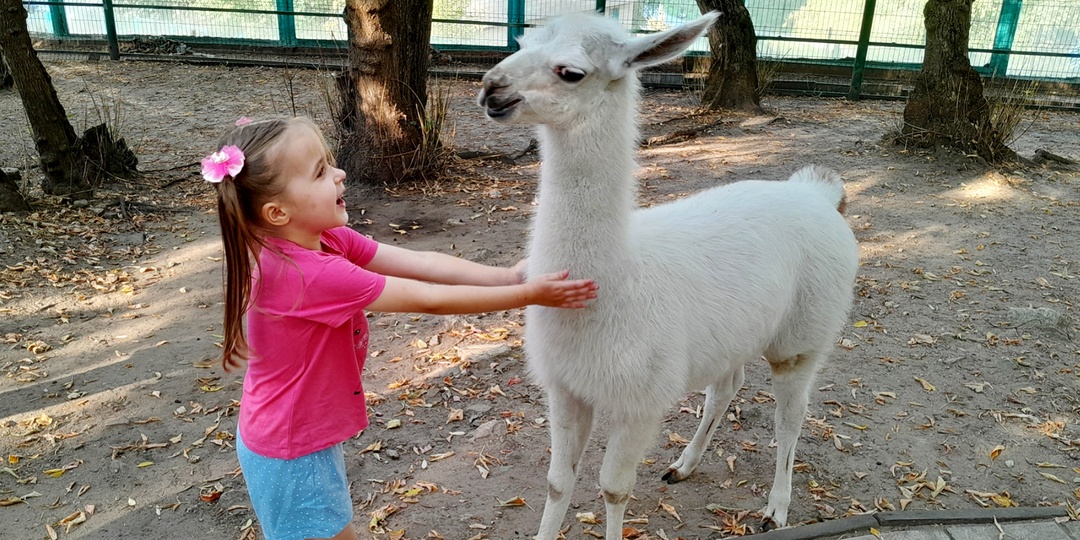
(1025, 39)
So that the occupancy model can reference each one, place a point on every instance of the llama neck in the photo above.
(587, 187)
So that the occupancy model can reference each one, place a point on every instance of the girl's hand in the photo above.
(554, 290)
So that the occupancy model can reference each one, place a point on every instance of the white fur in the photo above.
(690, 291)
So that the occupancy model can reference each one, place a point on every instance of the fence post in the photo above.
(601, 6)
(59, 20)
(286, 23)
(110, 30)
(515, 17)
(1003, 39)
(860, 53)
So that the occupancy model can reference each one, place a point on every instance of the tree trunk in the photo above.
(384, 89)
(733, 77)
(11, 199)
(5, 75)
(65, 169)
(947, 106)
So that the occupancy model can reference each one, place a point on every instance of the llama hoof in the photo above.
(767, 525)
(672, 476)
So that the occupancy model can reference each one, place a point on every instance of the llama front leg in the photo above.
(626, 448)
(717, 398)
(791, 384)
(570, 422)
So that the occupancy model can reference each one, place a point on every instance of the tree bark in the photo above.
(11, 198)
(733, 77)
(66, 171)
(5, 75)
(946, 106)
(384, 89)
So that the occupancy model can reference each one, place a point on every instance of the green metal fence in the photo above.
(1033, 39)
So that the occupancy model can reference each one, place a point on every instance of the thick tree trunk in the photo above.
(947, 106)
(384, 89)
(64, 167)
(5, 75)
(733, 76)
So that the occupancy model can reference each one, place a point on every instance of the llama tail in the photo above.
(826, 181)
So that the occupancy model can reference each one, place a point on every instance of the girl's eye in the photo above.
(569, 74)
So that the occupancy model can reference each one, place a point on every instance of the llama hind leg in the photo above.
(791, 385)
(627, 441)
(570, 422)
(717, 398)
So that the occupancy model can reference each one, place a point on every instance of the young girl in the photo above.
(303, 280)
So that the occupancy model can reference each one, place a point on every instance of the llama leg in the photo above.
(717, 398)
(626, 448)
(570, 424)
(791, 384)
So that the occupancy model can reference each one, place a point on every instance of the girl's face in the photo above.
(312, 186)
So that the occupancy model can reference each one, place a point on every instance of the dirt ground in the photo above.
(954, 385)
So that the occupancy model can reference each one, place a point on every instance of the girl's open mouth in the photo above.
(341, 202)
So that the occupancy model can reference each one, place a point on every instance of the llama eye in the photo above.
(569, 74)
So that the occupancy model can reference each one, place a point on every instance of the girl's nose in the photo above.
(340, 175)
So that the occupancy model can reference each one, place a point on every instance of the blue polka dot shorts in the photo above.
(295, 499)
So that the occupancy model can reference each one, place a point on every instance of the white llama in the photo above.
(690, 291)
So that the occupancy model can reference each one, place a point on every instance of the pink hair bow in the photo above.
(228, 161)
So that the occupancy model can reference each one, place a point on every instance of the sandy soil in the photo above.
(954, 385)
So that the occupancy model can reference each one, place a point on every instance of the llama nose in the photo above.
(492, 84)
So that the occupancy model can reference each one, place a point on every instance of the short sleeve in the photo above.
(337, 292)
(328, 287)
(352, 245)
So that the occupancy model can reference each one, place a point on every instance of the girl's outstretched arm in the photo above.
(439, 268)
(552, 290)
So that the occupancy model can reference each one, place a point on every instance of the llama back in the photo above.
(696, 250)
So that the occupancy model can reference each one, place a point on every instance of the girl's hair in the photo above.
(239, 200)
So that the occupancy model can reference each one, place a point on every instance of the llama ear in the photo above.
(661, 47)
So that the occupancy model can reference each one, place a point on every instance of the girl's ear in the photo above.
(274, 214)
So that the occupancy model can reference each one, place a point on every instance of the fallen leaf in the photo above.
(921, 339)
(926, 384)
(671, 510)
(996, 451)
(1052, 478)
(587, 517)
(437, 457)
(516, 501)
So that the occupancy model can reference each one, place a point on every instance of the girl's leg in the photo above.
(302, 498)
(348, 533)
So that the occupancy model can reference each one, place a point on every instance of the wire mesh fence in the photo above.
(1036, 39)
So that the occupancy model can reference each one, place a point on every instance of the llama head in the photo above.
(565, 71)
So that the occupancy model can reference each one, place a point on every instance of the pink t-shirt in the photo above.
(308, 338)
